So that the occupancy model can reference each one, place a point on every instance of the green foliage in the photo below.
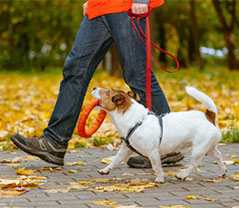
(102, 141)
(231, 136)
(37, 33)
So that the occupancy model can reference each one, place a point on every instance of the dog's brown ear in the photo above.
(118, 99)
(134, 95)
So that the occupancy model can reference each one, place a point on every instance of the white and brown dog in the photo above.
(181, 130)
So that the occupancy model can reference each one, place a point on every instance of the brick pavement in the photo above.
(174, 192)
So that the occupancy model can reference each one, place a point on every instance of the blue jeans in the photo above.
(91, 44)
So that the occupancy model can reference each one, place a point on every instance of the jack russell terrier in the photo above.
(176, 131)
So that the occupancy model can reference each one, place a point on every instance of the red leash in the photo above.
(148, 52)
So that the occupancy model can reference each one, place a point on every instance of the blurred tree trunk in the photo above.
(191, 47)
(228, 31)
(162, 43)
(195, 34)
(182, 52)
(115, 64)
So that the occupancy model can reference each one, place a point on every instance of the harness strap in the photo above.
(126, 140)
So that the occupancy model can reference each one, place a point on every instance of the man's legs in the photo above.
(132, 55)
(91, 44)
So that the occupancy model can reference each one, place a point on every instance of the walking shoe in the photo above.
(40, 147)
(144, 162)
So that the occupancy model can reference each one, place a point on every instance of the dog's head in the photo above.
(114, 99)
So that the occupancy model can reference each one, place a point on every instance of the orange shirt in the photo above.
(97, 8)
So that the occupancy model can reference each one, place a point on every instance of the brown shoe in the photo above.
(40, 147)
(144, 162)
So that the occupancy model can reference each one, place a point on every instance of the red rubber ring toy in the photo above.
(83, 117)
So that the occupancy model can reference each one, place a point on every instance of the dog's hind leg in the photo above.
(197, 155)
(123, 153)
(216, 155)
(155, 160)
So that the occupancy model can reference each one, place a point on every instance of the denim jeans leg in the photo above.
(91, 43)
(132, 55)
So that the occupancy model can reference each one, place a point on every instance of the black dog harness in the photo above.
(131, 131)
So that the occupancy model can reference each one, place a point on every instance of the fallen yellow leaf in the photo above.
(22, 181)
(107, 160)
(198, 170)
(53, 191)
(52, 169)
(194, 197)
(76, 163)
(14, 160)
(234, 178)
(212, 180)
(74, 151)
(235, 161)
(84, 182)
(171, 173)
(7, 193)
(104, 202)
(133, 185)
(228, 162)
(71, 171)
(22, 171)
(15, 165)
(101, 180)
(77, 186)
(209, 199)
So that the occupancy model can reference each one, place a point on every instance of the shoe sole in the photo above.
(43, 155)
(172, 159)
(169, 159)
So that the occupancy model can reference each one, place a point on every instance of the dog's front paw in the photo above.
(223, 174)
(159, 180)
(104, 171)
(181, 176)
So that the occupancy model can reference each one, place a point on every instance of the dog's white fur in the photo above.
(181, 130)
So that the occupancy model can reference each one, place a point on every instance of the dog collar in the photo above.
(131, 131)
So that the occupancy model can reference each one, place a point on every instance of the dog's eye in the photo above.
(108, 93)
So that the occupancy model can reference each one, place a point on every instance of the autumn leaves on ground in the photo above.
(27, 101)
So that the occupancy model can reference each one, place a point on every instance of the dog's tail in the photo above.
(206, 100)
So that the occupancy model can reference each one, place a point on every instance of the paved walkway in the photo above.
(57, 191)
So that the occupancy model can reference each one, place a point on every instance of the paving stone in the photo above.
(173, 193)
(40, 203)
(147, 202)
(3, 204)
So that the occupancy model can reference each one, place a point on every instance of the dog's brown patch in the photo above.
(115, 99)
(211, 116)
(134, 95)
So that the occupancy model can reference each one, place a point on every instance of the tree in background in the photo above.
(228, 28)
(39, 34)
(195, 34)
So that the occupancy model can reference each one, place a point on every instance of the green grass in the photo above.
(231, 136)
